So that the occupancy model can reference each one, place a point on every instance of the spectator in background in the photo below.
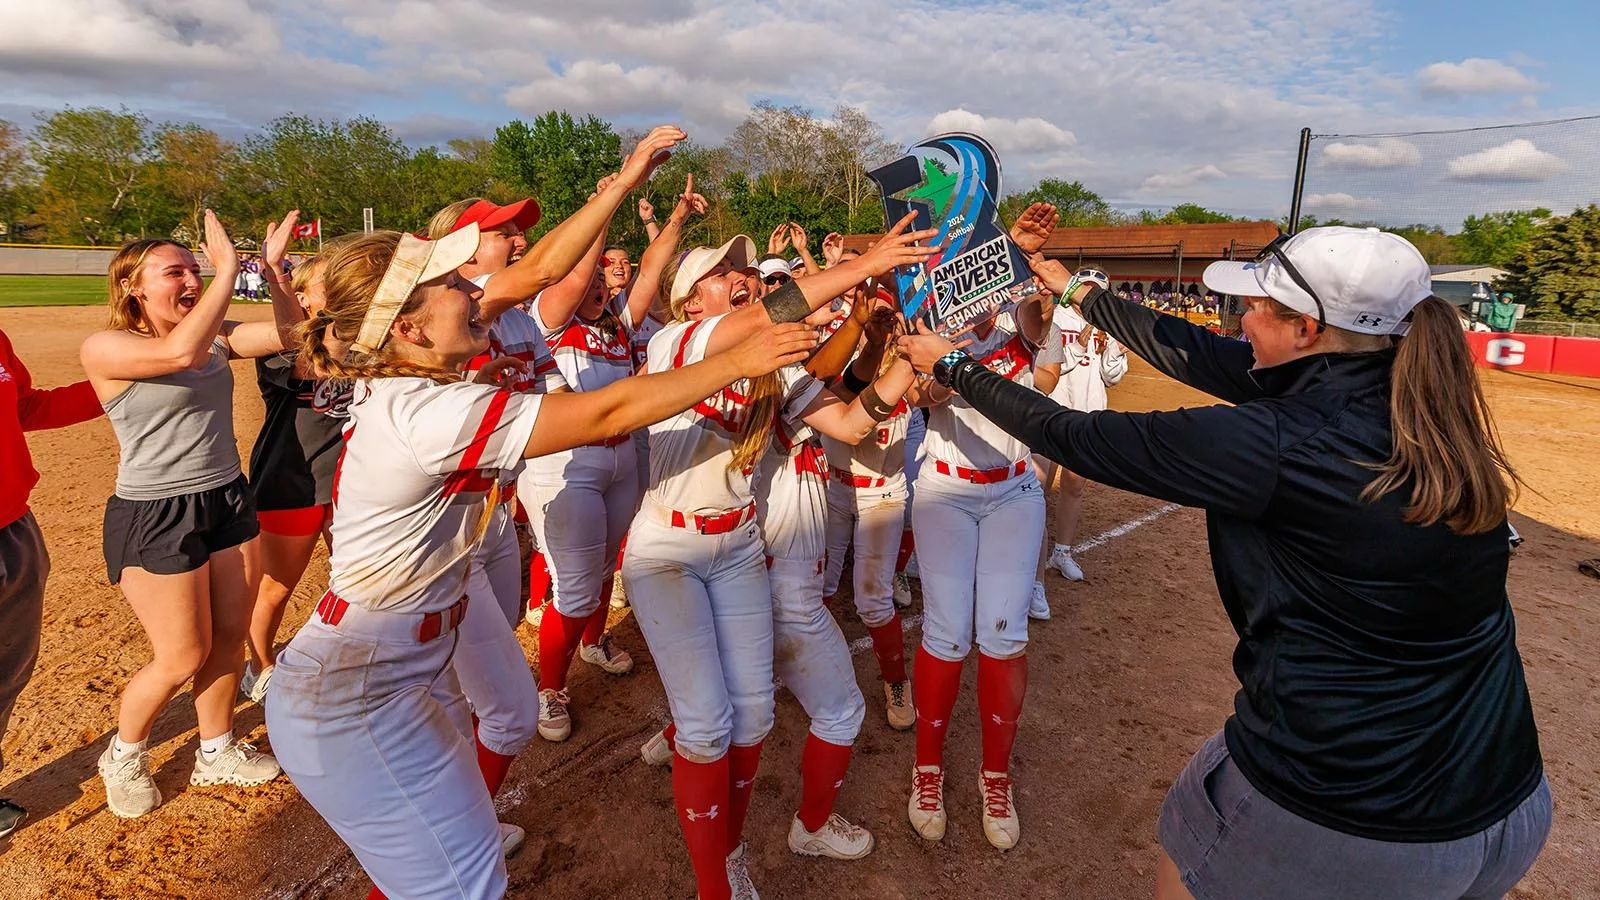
(1503, 313)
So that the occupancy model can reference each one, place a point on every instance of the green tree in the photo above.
(557, 159)
(188, 174)
(1438, 248)
(1556, 271)
(1495, 239)
(1079, 207)
(92, 163)
(16, 179)
(328, 170)
(1185, 214)
(433, 180)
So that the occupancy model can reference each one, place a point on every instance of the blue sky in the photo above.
(1150, 103)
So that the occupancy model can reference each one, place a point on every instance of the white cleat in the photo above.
(254, 684)
(739, 876)
(658, 750)
(1000, 823)
(511, 838)
(902, 591)
(897, 702)
(130, 790)
(926, 807)
(612, 659)
(555, 724)
(239, 764)
(836, 839)
(1063, 562)
(535, 615)
(1039, 605)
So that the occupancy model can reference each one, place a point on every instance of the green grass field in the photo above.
(52, 290)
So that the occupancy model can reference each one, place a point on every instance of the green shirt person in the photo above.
(1502, 313)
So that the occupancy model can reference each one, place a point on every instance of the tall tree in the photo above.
(91, 162)
(852, 145)
(557, 159)
(1185, 214)
(327, 170)
(1079, 207)
(15, 179)
(1556, 272)
(189, 171)
(1495, 239)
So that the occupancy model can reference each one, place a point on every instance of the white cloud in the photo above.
(1514, 161)
(1386, 153)
(1166, 181)
(1340, 202)
(1474, 76)
(1028, 135)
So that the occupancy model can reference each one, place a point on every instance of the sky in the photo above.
(1149, 102)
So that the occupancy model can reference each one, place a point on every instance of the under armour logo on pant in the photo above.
(693, 816)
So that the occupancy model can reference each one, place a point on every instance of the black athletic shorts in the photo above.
(178, 534)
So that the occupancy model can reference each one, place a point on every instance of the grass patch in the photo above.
(52, 290)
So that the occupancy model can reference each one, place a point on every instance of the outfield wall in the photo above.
(24, 260)
(1536, 353)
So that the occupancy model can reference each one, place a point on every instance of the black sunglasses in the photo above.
(776, 278)
(1274, 249)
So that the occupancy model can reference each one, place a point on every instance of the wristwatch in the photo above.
(944, 368)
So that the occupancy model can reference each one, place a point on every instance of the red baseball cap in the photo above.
(524, 214)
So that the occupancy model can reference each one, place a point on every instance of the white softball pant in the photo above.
(373, 730)
(873, 519)
(916, 433)
(977, 547)
(704, 605)
(493, 669)
(811, 654)
(582, 504)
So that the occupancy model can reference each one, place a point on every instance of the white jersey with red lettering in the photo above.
(959, 435)
(411, 493)
(690, 453)
(879, 461)
(639, 341)
(792, 478)
(1085, 372)
(587, 356)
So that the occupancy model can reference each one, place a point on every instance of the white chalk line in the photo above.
(513, 795)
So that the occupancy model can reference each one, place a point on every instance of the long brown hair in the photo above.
(1445, 441)
(350, 280)
(756, 431)
(126, 265)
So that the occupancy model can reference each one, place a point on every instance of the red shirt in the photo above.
(26, 408)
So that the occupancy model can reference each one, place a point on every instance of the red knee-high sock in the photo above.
(670, 733)
(538, 579)
(376, 894)
(595, 628)
(558, 640)
(742, 765)
(1001, 686)
(889, 645)
(493, 766)
(935, 684)
(700, 791)
(907, 546)
(822, 768)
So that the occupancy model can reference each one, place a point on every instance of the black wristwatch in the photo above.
(944, 368)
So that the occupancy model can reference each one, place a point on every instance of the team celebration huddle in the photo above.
(725, 429)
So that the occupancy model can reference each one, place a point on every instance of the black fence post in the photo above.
(1299, 180)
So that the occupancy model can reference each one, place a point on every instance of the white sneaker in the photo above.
(1039, 606)
(130, 790)
(555, 724)
(535, 614)
(897, 701)
(619, 597)
(254, 684)
(658, 750)
(239, 763)
(1000, 823)
(836, 839)
(926, 807)
(739, 876)
(511, 837)
(1062, 562)
(902, 591)
(611, 659)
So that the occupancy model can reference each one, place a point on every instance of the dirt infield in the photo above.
(1127, 680)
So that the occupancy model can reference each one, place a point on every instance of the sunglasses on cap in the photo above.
(1274, 250)
(776, 278)
(1093, 273)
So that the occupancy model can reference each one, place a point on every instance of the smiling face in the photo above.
(721, 290)
(444, 330)
(498, 248)
(595, 296)
(618, 268)
(166, 285)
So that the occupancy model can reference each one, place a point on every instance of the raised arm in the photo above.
(248, 340)
(850, 421)
(574, 419)
(112, 356)
(829, 362)
(559, 301)
(559, 251)
(802, 246)
(663, 244)
(647, 215)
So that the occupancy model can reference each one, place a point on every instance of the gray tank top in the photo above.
(176, 431)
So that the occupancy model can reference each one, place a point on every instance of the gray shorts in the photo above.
(1232, 843)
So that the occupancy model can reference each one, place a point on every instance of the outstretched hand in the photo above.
(898, 248)
(689, 202)
(655, 149)
(1052, 274)
(275, 246)
(218, 247)
(797, 236)
(1034, 227)
(883, 325)
(774, 347)
(779, 239)
(832, 248)
(922, 348)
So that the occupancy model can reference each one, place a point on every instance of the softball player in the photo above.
(365, 697)
(694, 567)
(978, 517)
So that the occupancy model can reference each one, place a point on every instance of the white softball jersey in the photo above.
(959, 435)
(792, 480)
(881, 455)
(1085, 373)
(411, 492)
(586, 356)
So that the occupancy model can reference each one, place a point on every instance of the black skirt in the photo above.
(178, 534)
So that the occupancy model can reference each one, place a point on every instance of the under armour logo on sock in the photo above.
(693, 816)
(838, 784)
(999, 721)
(936, 723)
(741, 785)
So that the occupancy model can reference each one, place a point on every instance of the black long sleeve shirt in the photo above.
(1382, 694)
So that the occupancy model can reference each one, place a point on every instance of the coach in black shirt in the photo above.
(1382, 743)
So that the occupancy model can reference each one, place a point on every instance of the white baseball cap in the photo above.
(740, 252)
(774, 265)
(1359, 279)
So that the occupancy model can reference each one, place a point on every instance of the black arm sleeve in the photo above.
(1216, 457)
(1183, 350)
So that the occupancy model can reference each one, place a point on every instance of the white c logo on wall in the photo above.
(1505, 352)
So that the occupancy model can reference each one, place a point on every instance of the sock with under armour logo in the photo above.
(700, 791)
(908, 545)
(889, 646)
(1001, 686)
(935, 682)
(742, 765)
(559, 634)
(822, 768)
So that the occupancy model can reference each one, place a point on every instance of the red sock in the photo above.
(538, 579)
(376, 894)
(908, 545)
(742, 765)
(670, 733)
(822, 768)
(595, 628)
(889, 645)
(700, 791)
(558, 640)
(1001, 686)
(935, 685)
(493, 766)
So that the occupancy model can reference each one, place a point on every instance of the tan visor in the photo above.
(416, 261)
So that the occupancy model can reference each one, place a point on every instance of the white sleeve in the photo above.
(680, 344)
(465, 426)
(1054, 351)
(1113, 362)
(800, 389)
